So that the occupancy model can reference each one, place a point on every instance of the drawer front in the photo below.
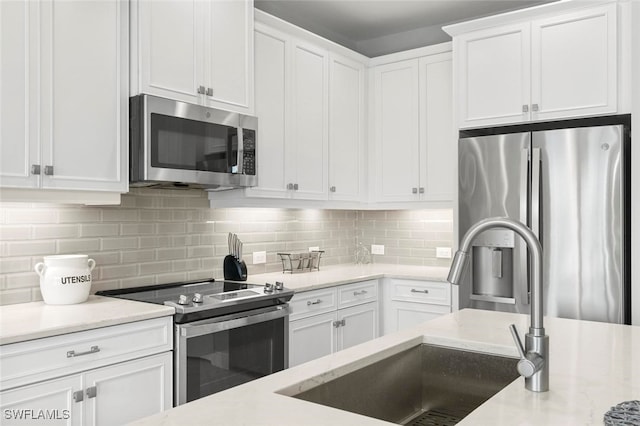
(27, 362)
(312, 302)
(437, 293)
(357, 293)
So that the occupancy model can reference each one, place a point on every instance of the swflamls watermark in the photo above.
(31, 414)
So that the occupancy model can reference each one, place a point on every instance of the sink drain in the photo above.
(438, 417)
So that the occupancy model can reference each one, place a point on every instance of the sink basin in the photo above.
(423, 385)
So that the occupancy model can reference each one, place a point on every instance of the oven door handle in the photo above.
(215, 325)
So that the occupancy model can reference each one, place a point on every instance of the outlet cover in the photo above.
(314, 248)
(377, 249)
(443, 252)
(259, 257)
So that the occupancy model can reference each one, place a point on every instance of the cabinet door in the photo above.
(438, 162)
(346, 118)
(229, 53)
(128, 391)
(493, 75)
(311, 338)
(84, 109)
(401, 315)
(53, 399)
(574, 69)
(307, 159)
(396, 88)
(360, 325)
(170, 37)
(272, 92)
(19, 146)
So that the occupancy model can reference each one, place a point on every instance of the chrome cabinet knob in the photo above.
(332, 189)
(414, 190)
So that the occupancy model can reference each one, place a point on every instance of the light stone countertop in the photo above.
(333, 275)
(27, 321)
(593, 366)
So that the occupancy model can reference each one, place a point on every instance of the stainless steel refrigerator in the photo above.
(570, 186)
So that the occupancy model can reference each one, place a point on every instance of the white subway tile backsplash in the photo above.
(159, 236)
(99, 230)
(119, 243)
(80, 245)
(31, 248)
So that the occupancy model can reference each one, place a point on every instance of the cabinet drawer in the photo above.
(437, 293)
(357, 293)
(27, 362)
(312, 302)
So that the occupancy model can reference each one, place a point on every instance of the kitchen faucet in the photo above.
(534, 357)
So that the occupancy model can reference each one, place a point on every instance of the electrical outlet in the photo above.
(314, 248)
(259, 257)
(443, 252)
(377, 249)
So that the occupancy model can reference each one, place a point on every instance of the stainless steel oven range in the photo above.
(225, 333)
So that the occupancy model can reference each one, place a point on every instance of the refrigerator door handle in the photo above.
(535, 191)
(524, 197)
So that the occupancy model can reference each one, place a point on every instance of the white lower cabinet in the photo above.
(89, 377)
(408, 302)
(328, 320)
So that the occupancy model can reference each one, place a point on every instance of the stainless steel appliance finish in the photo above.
(225, 333)
(176, 144)
(423, 385)
(568, 185)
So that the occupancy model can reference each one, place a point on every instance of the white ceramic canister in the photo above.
(65, 279)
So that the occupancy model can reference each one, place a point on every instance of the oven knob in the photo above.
(268, 288)
(279, 285)
(182, 300)
(197, 298)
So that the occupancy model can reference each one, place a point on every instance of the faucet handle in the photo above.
(530, 362)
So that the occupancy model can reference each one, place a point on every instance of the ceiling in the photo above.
(379, 27)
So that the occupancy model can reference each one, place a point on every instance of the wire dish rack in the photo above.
(301, 262)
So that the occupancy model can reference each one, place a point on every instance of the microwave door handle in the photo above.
(240, 150)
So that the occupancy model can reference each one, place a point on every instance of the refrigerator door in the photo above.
(493, 181)
(581, 221)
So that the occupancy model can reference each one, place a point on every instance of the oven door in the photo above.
(219, 353)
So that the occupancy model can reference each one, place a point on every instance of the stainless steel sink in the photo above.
(424, 385)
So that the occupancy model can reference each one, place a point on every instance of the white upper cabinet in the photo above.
(438, 136)
(560, 66)
(194, 51)
(17, 153)
(346, 130)
(272, 52)
(397, 103)
(493, 75)
(64, 95)
(310, 104)
(413, 130)
(574, 64)
(307, 157)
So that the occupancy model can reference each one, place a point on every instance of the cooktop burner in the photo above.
(194, 300)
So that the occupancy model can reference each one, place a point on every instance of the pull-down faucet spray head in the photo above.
(534, 363)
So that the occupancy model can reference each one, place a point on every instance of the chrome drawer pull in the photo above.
(413, 290)
(358, 293)
(317, 302)
(93, 350)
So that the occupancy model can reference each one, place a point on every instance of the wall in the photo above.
(158, 237)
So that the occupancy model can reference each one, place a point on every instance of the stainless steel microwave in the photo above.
(180, 145)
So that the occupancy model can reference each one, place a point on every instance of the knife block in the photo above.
(234, 269)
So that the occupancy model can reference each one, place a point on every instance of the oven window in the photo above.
(225, 359)
(179, 143)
